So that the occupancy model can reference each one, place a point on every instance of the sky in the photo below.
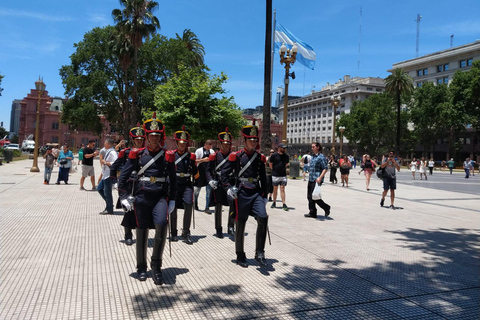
(357, 38)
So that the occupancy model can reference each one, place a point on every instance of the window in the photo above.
(422, 72)
(55, 125)
(469, 62)
(462, 63)
(425, 71)
(419, 84)
(54, 139)
(442, 67)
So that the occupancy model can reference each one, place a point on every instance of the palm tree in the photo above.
(192, 43)
(396, 84)
(267, 82)
(136, 21)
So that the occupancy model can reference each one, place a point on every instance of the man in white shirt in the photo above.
(202, 155)
(105, 185)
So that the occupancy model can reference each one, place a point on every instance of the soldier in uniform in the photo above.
(249, 193)
(153, 170)
(138, 140)
(217, 161)
(186, 169)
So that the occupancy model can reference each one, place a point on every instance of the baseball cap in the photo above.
(282, 145)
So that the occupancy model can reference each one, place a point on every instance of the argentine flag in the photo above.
(305, 54)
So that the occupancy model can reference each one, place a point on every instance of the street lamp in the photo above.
(335, 103)
(40, 87)
(287, 56)
(342, 130)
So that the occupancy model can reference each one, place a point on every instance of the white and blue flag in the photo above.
(305, 55)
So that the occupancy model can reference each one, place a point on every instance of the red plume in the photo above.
(226, 129)
(253, 122)
(154, 115)
(183, 127)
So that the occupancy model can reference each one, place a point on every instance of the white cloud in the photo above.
(99, 19)
(35, 15)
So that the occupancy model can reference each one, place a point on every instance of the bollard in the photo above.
(294, 169)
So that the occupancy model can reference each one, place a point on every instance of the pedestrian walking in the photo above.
(333, 165)
(214, 175)
(105, 185)
(269, 175)
(466, 167)
(422, 167)
(318, 170)
(345, 166)
(278, 163)
(249, 191)
(64, 162)
(88, 154)
(369, 166)
(202, 155)
(49, 163)
(389, 165)
(305, 161)
(153, 171)
(451, 165)
(186, 171)
(431, 165)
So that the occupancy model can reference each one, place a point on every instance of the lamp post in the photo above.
(342, 130)
(287, 56)
(40, 87)
(335, 103)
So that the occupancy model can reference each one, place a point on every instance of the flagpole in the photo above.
(273, 50)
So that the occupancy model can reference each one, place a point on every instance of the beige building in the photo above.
(439, 67)
(310, 118)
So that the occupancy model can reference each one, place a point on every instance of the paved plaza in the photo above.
(60, 259)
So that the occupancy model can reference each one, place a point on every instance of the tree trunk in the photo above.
(397, 147)
(266, 142)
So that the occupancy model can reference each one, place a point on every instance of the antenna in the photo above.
(359, 38)
(419, 17)
(451, 41)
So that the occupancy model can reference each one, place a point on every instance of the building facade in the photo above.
(310, 118)
(439, 68)
(15, 117)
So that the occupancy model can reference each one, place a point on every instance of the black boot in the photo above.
(186, 237)
(262, 224)
(218, 220)
(158, 247)
(173, 225)
(128, 236)
(239, 241)
(231, 219)
(141, 246)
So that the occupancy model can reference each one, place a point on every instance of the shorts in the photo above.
(279, 181)
(389, 183)
(305, 168)
(87, 171)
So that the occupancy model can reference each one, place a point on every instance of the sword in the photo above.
(169, 237)
(268, 232)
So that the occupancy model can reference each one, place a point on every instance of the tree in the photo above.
(194, 46)
(267, 80)
(397, 84)
(198, 101)
(370, 124)
(136, 22)
(428, 104)
(1, 89)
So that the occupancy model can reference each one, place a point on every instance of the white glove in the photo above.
(127, 206)
(265, 200)
(231, 193)
(213, 184)
(196, 190)
(171, 206)
(115, 186)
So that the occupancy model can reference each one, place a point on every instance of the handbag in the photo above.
(63, 161)
(317, 192)
(380, 173)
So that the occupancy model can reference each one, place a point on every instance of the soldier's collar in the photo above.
(156, 150)
(249, 152)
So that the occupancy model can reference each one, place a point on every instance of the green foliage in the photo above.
(3, 132)
(197, 100)
(370, 125)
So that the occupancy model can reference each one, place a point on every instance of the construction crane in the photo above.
(419, 17)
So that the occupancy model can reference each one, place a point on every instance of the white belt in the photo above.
(248, 179)
(152, 179)
(182, 174)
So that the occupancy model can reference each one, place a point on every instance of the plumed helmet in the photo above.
(137, 132)
(154, 126)
(225, 136)
(250, 131)
(182, 135)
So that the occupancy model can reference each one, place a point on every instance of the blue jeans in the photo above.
(47, 174)
(467, 172)
(105, 190)
(208, 190)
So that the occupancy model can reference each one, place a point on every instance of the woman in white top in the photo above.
(422, 168)
(431, 164)
(413, 167)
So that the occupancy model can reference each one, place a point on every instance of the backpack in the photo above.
(305, 159)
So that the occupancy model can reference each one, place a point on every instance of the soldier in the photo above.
(249, 192)
(138, 140)
(214, 169)
(153, 171)
(185, 169)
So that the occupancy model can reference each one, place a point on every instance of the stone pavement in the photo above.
(60, 259)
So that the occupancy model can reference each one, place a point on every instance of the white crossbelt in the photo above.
(152, 179)
(181, 174)
(248, 179)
